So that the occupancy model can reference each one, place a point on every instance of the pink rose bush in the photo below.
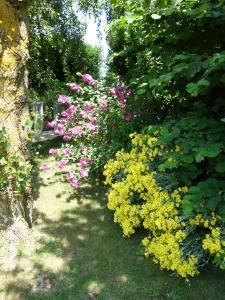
(90, 113)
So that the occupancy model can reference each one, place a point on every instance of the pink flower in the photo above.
(60, 126)
(85, 161)
(52, 124)
(59, 132)
(61, 164)
(128, 117)
(62, 121)
(69, 111)
(83, 114)
(84, 173)
(77, 131)
(66, 138)
(84, 149)
(105, 105)
(92, 119)
(53, 151)
(91, 127)
(45, 167)
(69, 176)
(121, 97)
(89, 108)
(87, 79)
(74, 87)
(74, 183)
(113, 91)
(63, 99)
(129, 93)
(66, 151)
(122, 105)
(120, 87)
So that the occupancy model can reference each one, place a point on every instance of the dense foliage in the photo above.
(57, 49)
(172, 54)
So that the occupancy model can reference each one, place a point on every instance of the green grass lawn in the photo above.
(76, 252)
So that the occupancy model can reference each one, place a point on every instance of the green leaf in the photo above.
(211, 204)
(203, 82)
(187, 208)
(199, 157)
(220, 167)
(168, 165)
(153, 82)
(188, 158)
(141, 91)
(210, 151)
(192, 88)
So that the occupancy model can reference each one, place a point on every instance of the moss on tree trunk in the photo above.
(14, 112)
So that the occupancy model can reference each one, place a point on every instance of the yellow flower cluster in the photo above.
(137, 200)
(214, 240)
(167, 252)
(213, 243)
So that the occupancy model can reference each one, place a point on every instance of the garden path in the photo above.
(76, 252)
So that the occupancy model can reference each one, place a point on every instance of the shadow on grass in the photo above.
(43, 147)
(97, 263)
(81, 254)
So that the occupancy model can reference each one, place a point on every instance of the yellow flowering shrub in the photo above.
(140, 196)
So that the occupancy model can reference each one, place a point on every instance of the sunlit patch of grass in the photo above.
(80, 254)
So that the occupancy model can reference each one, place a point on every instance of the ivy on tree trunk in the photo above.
(14, 111)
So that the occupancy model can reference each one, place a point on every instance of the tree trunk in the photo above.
(14, 112)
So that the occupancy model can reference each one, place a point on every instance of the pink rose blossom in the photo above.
(91, 127)
(66, 138)
(53, 151)
(69, 111)
(66, 151)
(87, 79)
(120, 87)
(60, 126)
(63, 99)
(105, 105)
(62, 121)
(74, 87)
(74, 183)
(84, 149)
(84, 173)
(70, 176)
(85, 161)
(45, 167)
(113, 91)
(121, 97)
(89, 108)
(52, 124)
(61, 164)
(77, 131)
(59, 132)
(83, 114)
